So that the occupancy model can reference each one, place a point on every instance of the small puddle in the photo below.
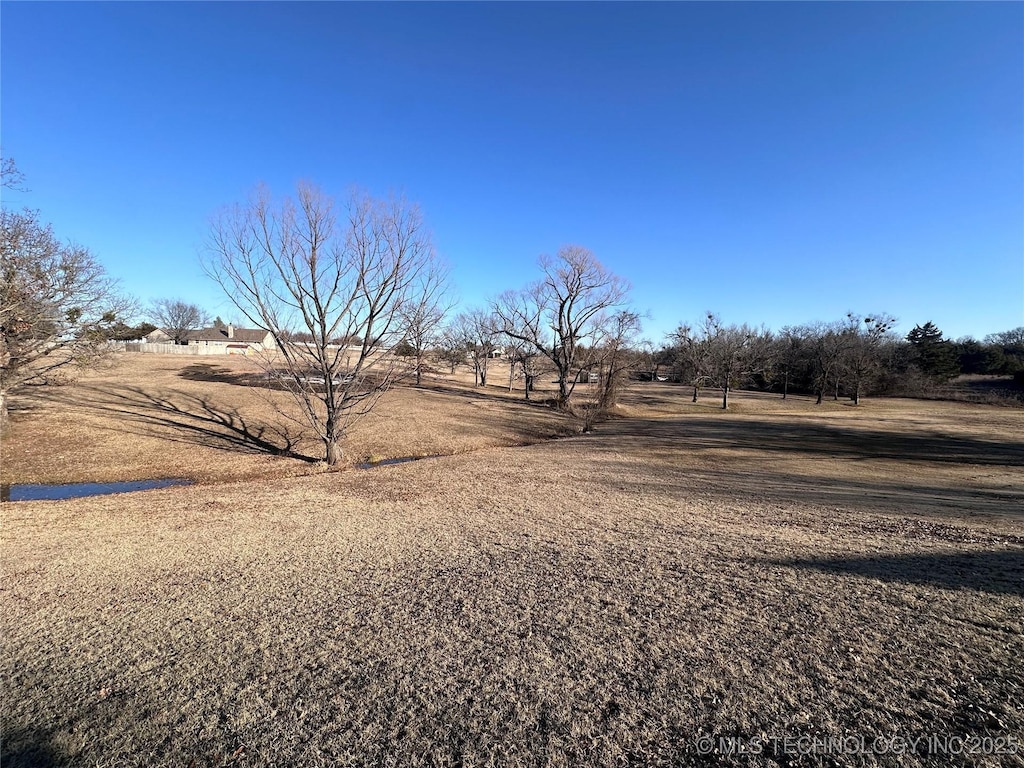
(43, 492)
(386, 462)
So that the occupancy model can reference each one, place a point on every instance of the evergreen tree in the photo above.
(934, 355)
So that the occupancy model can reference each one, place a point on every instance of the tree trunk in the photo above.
(511, 374)
(695, 390)
(856, 394)
(785, 384)
(419, 369)
(725, 397)
(3, 410)
(333, 452)
(332, 448)
(563, 392)
(821, 394)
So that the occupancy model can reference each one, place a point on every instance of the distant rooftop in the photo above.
(229, 333)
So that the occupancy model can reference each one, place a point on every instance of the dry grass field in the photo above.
(607, 599)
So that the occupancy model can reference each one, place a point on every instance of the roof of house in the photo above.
(243, 335)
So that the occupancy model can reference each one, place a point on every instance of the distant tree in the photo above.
(477, 331)
(451, 346)
(178, 318)
(294, 337)
(120, 331)
(790, 355)
(649, 360)
(1008, 348)
(57, 303)
(736, 352)
(724, 356)
(977, 358)
(404, 349)
(862, 349)
(825, 346)
(565, 311)
(691, 346)
(423, 318)
(513, 354)
(934, 355)
(1011, 338)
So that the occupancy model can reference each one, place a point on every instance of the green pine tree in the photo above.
(934, 355)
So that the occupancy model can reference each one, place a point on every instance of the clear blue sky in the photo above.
(777, 163)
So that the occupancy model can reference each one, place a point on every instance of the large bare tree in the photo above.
(57, 303)
(178, 318)
(563, 313)
(307, 266)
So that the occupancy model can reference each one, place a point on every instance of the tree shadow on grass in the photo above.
(181, 417)
(788, 436)
(28, 749)
(221, 375)
(999, 572)
(686, 455)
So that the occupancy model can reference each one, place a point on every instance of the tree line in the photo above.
(356, 298)
(852, 357)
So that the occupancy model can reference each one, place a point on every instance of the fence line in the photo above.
(172, 349)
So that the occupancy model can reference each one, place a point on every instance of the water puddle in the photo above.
(43, 492)
(386, 462)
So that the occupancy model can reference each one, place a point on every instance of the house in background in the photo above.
(158, 336)
(229, 340)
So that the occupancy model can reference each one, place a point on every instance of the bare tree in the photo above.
(307, 266)
(692, 351)
(615, 356)
(451, 345)
(1011, 338)
(826, 345)
(57, 303)
(564, 312)
(423, 316)
(178, 318)
(720, 355)
(790, 353)
(477, 331)
(737, 352)
(863, 347)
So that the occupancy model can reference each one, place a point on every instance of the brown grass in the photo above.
(213, 418)
(601, 600)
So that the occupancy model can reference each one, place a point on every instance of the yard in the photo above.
(615, 598)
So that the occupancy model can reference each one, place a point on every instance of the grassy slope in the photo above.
(600, 600)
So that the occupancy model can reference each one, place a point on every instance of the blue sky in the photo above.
(777, 163)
